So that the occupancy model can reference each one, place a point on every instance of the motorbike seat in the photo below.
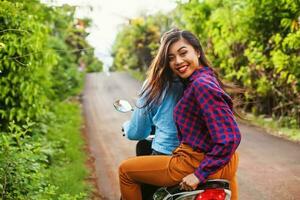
(214, 184)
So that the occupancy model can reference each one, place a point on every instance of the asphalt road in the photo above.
(269, 166)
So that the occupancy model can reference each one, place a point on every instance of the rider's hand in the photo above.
(190, 182)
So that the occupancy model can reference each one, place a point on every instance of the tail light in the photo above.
(212, 194)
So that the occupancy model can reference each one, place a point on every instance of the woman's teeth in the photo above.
(182, 69)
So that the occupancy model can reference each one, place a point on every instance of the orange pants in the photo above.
(169, 171)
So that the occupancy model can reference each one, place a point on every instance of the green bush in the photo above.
(137, 42)
(29, 163)
(255, 44)
(25, 69)
(22, 165)
(40, 50)
(95, 66)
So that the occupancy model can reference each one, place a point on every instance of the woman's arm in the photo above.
(139, 126)
(216, 110)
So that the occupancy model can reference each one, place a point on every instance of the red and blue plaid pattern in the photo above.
(205, 121)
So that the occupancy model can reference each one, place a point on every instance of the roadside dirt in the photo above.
(269, 166)
(90, 163)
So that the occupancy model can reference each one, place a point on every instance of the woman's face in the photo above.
(183, 58)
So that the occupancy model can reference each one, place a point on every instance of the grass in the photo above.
(68, 171)
(275, 128)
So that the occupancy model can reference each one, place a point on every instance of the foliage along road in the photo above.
(269, 166)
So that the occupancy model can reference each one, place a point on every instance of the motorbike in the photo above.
(215, 189)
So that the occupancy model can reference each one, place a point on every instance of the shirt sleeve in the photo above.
(139, 126)
(216, 111)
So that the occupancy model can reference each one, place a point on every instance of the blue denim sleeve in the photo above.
(139, 126)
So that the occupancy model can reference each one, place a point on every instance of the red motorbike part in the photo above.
(212, 194)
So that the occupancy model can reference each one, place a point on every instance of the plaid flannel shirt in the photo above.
(205, 121)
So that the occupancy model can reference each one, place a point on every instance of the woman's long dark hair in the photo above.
(159, 76)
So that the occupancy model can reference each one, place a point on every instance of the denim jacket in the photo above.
(161, 117)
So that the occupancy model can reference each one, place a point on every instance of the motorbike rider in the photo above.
(160, 117)
(159, 120)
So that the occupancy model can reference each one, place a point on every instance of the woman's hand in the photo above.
(190, 182)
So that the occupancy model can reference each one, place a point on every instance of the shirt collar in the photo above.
(198, 72)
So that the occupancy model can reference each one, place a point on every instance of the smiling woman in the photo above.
(183, 58)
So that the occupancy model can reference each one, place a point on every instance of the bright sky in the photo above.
(108, 15)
